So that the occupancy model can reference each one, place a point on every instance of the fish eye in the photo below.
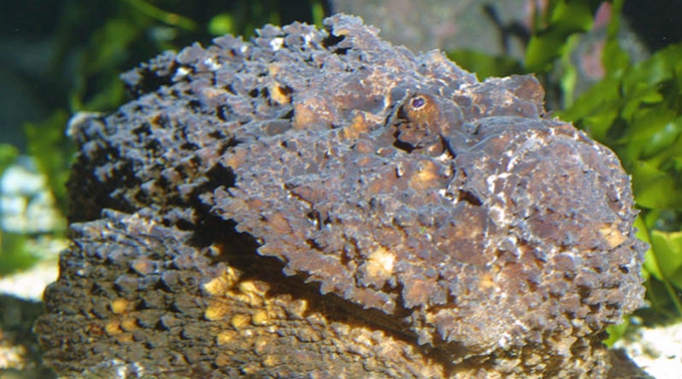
(418, 102)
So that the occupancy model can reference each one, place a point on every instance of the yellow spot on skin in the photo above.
(249, 287)
(216, 311)
(279, 95)
(358, 125)
(119, 306)
(129, 324)
(260, 318)
(226, 337)
(426, 176)
(251, 294)
(220, 285)
(242, 298)
(113, 327)
(271, 361)
(380, 264)
(486, 281)
(240, 321)
(612, 235)
(217, 286)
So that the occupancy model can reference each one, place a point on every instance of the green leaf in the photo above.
(650, 132)
(222, 24)
(614, 58)
(53, 152)
(660, 67)
(650, 263)
(154, 12)
(112, 92)
(596, 109)
(667, 247)
(654, 188)
(8, 154)
(616, 332)
(318, 13)
(567, 17)
(677, 74)
(13, 253)
(113, 41)
(663, 144)
(569, 79)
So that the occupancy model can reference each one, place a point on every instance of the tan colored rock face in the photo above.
(323, 204)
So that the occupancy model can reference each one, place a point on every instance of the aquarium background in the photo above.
(613, 68)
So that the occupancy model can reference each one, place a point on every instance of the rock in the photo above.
(324, 204)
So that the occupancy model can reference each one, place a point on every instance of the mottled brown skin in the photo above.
(323, 204)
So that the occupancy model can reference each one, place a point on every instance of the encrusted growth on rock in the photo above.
(318, 202)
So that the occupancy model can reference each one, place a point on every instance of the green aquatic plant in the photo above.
(13, 252)
(8, 154)
(52, 151)
(552, 30)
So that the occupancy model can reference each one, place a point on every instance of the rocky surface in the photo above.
(322, 203)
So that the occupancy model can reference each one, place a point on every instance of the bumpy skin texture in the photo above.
(323, 204)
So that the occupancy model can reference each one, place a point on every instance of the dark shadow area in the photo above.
(657, 23)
